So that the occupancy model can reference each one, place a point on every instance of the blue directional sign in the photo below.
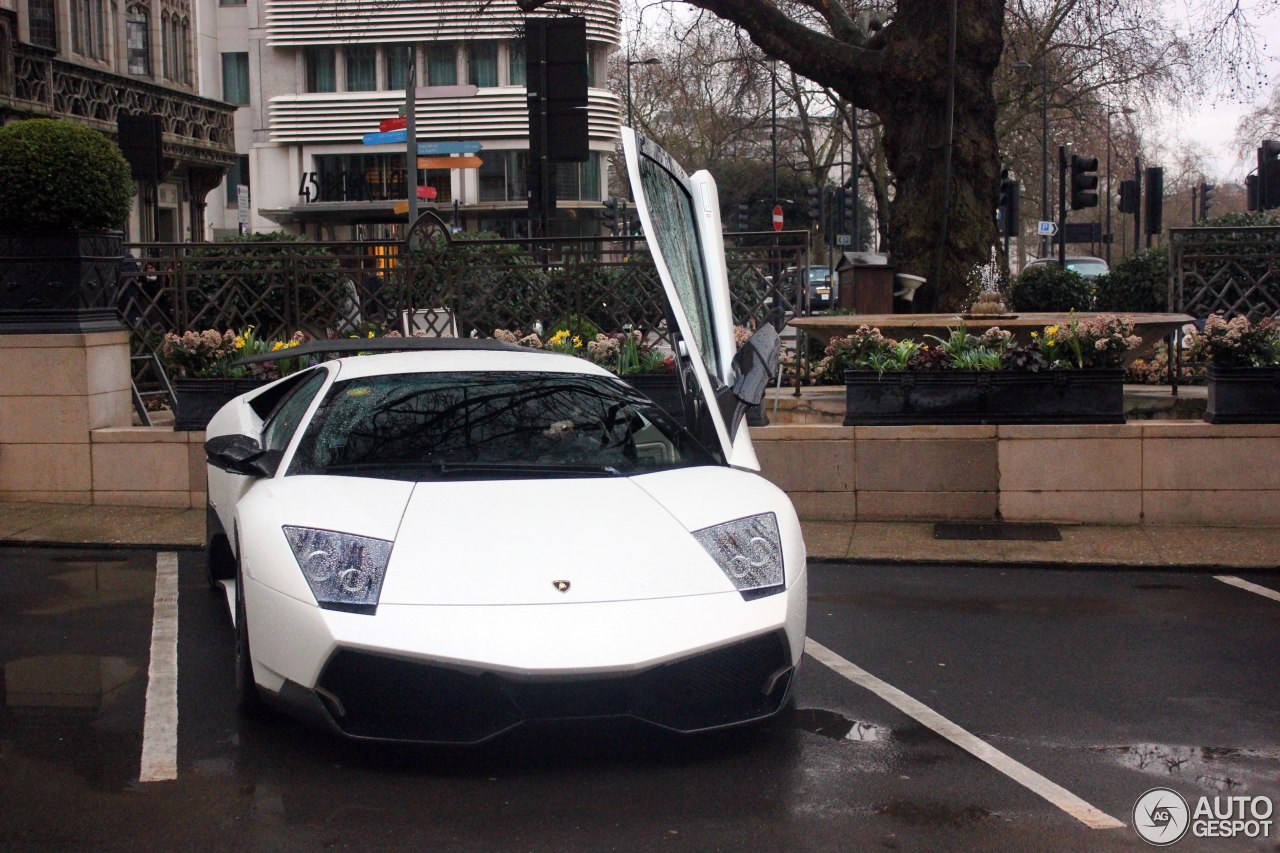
(432, 149)
(387, 137)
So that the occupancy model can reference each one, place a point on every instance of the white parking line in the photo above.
(1020, 773)
(160, 725)
(1251, 587)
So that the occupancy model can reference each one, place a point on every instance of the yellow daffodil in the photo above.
(1051, 330)
(277, 346)
(577, 342)
(1035, 334)
(370, 335)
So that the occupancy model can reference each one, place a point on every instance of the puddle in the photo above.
(84, 682)
(95, 585)
(832, 725)
(1220, 769)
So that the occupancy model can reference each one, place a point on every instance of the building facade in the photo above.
(312, 77)
(89, 61)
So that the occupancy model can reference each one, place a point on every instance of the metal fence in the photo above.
(447, 287)
(1225, 270)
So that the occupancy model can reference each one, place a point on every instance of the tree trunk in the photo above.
(915, 134)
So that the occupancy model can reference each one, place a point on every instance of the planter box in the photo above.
(984, 397)
(59, 282)
(200, 399)
(1243, 395)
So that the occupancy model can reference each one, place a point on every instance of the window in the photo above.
(362, 68)
(442, 64)
(591, 67)
(88, 29)
(287, 417)
(184, 51)
(370, 177)
(504, 177)
(516, 63)
(482, 63)
(493, 176)
(231, 2)
(398, 58)
(137, 25)
(235, 78)
(166, 48)
(236, 175)
(43, 23)
(590, 180)
(517, 175)
(320, 70)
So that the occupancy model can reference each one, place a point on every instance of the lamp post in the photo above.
(652, 60)
(1044, 141)
(1110, 201)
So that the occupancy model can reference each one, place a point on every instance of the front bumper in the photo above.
(374, 697)
(466, 674)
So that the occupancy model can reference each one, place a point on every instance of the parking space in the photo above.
(1103, 684)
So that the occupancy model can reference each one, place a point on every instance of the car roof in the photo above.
(517, 360)
(1070, 258)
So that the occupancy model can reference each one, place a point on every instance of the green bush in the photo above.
(59, 175)
(1048, 287)
(1137, 283)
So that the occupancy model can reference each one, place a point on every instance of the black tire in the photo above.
(248, 699)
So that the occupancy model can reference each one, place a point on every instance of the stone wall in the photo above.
(1149, 472)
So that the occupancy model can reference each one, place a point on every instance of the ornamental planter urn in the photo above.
(1243, 395)
(905, 397)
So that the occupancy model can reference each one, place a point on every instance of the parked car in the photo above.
(443, 544)
(820, 290)
(1087, 266)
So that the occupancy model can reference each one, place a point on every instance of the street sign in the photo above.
(397, 123)
(242, 207)
(1047, 229)
(427, 193)
(844, 239)
(777, 217)
(432, 149)
(449, 162)
(390, 137)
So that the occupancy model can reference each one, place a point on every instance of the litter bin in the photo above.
(866, 282)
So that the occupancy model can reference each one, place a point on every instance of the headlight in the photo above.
(749, 552)
(344, 571)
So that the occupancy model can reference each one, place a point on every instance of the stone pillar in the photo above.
(55, 389)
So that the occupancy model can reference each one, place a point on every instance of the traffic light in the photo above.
(1084, 183)
(1251, 191)
(1154, 192)
(1206, 200)
(848, 209)
(1269, 175)
(815, 203)
(1128, 202)
(610, 215)
(742, 217)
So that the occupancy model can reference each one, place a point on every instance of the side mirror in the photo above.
(240, 454)
(755, 364)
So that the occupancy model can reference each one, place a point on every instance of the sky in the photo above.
(1211, 123)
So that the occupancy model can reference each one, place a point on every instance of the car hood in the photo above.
(518, 541)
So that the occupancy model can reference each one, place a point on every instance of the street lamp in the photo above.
(652, 60)
(1109, 200)
(1044, 141)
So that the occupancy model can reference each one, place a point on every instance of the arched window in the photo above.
(166, 47)
(43, 22)
(184, 50)
(138, 36)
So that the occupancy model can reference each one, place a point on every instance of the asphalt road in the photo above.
(1081, 690)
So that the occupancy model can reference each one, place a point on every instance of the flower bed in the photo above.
(1244, 369)
(1070, 373)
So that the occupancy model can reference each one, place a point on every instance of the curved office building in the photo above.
(314, 76)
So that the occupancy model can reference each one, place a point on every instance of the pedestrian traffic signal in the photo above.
(1206, 200)
(1154, 192)
(1128, 201)
(742, 217)
(1269, 175)
(1084, 182)
(815, 203)
(610, 215)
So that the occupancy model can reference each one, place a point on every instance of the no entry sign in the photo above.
(777, 217)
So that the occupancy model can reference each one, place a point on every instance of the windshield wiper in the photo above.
(446, 468)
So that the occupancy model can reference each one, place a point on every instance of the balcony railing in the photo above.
(196, 130)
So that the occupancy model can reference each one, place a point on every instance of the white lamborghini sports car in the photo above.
(438, 545)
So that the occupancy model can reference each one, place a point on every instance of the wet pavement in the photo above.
(1106, 683)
